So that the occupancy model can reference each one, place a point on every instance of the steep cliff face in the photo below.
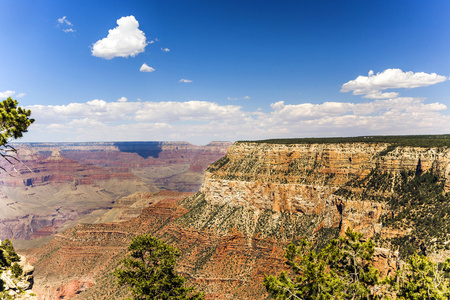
(260, 197)
(303, 179)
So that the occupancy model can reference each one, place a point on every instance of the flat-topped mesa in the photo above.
(310, 166)
(313, 163)
(303, 178)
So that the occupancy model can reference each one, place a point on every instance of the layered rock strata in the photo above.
(255, 201)
(303, 179)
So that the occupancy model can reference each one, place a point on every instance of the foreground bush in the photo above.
(342, 270)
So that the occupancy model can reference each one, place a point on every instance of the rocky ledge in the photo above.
(16, 279)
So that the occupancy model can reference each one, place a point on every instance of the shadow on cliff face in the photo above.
(143, 149)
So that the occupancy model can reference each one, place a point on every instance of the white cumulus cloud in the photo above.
(372, 85)
(123, 41)
(172, 111)
(185, 80)
(146, 68)
(122, 99)
(203, 121)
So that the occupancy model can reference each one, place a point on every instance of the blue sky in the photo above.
(226, 70)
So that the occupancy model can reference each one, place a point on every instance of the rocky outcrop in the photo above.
(18, 287)
(324, 164)
(56, 170)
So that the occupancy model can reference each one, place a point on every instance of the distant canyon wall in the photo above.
(58, 182)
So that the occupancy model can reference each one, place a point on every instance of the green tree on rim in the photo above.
(342, 270)
(14, 121)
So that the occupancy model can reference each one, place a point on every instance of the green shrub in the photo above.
(16, 270)
(11, 255)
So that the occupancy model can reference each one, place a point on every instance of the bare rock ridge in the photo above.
(56, 185)
(258, 198)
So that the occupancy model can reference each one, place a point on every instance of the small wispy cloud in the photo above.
(6, 94)
(185, 80)
(122, 99)
(238, 98)
(64, 20)
(165, 49)
(66, 24)
(146, 68)
(10, 93)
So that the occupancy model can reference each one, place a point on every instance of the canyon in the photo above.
(255, 200)
(51, 187)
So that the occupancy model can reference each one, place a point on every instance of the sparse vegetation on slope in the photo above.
(341, 270)
(418, 206)
(223, 219)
